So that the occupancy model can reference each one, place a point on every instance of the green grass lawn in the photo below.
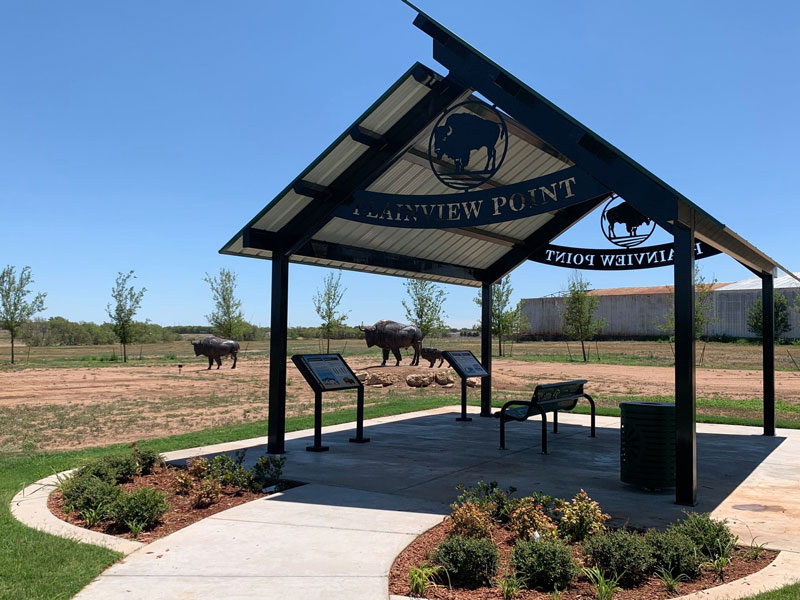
(36, 565)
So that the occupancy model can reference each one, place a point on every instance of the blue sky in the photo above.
(144, 135)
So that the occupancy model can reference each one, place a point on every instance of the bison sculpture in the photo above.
(627, 215)
(391, 335)
(432, 355)
(215, 348)
(461, 134)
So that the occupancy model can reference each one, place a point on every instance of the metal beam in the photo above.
(563, 220)
(370, 165)
(486, 349)
(276, 420)
(685, 410)
(486, 236)
(369, 138)
(768, 343)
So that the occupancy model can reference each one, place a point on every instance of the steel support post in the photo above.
(768, 341)
(464, 416)
(276, 422)
(359, 439)
(685, 416)
(486, 349)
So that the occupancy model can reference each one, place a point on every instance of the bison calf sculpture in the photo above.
(391, 335)
(432, 355)
(215, 348)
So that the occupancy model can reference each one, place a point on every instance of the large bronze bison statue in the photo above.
(215, 348)
(391, 335)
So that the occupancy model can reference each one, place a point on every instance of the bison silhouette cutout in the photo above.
(469, 142)
(630, 219)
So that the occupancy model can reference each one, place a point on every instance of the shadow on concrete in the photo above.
(425, 457)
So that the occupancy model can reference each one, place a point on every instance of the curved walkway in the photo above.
(338, 536)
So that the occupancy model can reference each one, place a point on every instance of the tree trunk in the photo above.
(12, 349)
(500, 345)
(328, 347)
(583, 349)
(124, 352)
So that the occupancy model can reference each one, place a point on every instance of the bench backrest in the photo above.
(565, 394)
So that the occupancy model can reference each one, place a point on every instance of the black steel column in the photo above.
(276, 423)
(768, 342)
(685, 415)
(486, 349)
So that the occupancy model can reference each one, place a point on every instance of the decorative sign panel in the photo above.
(465, 363)
(329, 371)
(595, 259)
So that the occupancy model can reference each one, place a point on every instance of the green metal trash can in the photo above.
(647, 444)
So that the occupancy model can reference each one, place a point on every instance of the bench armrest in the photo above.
(509, 404)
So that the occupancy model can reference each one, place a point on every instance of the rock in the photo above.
(362, 376)
(381, 379)
(419, 380)
(449, 385)
(474, 382)
(444, 378)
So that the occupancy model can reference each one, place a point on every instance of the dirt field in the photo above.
(68, 408)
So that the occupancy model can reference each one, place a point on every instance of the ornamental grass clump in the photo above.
(580, 518)
(674, 552)
(528, 521)
(470, 562)
(620, 553)
(470, 520)
(545, 564)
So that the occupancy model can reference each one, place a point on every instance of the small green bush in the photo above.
(496, 501)
(621, 553)
(712, 537)
(470, 562)
(116, 468)
(470, 520)
(580, 518)
(674, 552)
(140, 508)
(184, 483)
(147, 459)
(269, 470)
(529, 518)
(197, 467)
(231, 472)
(89, 495)
(545, 564)
(208, 492)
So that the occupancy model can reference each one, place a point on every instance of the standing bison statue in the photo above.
(391, 335)
(215, 348)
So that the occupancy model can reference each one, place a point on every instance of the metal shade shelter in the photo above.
(339, 212)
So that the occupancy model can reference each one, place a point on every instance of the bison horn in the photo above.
(361, 327)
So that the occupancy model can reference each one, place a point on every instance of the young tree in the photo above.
(505, 319)
(326, 303)
(579, 308)
(15, 309)
(703, 306)
(424, 307)
(227, 319)
(755, 316)
(126, 303)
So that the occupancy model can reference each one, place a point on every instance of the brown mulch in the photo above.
(419, 551)
(180, 514)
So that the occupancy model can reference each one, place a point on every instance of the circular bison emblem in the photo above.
(468, 145)
(624, 225)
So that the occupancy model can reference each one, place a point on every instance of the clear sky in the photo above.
(143, 135)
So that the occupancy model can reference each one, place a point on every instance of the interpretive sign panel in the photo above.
(326, 372)
(465, 363)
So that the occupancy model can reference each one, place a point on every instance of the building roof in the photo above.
(654, 289)
(754, 283)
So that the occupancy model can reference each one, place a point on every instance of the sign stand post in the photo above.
(466, 365)
(324, 373)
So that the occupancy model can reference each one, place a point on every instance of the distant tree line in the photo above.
(58, 331)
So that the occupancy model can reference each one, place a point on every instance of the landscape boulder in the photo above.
(381, 379)
(474, 382)
(362, 376)
(416, 380)
(444, 378)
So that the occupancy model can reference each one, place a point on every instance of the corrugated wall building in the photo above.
(638, 312)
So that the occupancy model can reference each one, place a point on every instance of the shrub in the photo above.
(470, 520)
(710, 536)
(269, 470)
(581, 518)
(184, 483)
(231, 472)
(147, 459)
(208, 493)
(674, 552)
(140, 508)
(197, 467)
(89, 496)
(546, 564)
(116, 468)
(621, 553)
(529, 518)
(470, 562)
(491, 498)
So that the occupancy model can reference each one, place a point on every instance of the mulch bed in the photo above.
(180, 514)
(418, 552)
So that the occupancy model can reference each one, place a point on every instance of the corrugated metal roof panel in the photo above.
(754, 283)
(279, 215)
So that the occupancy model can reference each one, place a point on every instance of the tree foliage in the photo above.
(578, 321)
(755, 316)
(15, 308)
(507, 319)
(703, 307)
(326, 303)
(126, 304)
(425, 306)
(227, 319)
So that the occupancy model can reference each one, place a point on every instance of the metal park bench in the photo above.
(550, 397)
